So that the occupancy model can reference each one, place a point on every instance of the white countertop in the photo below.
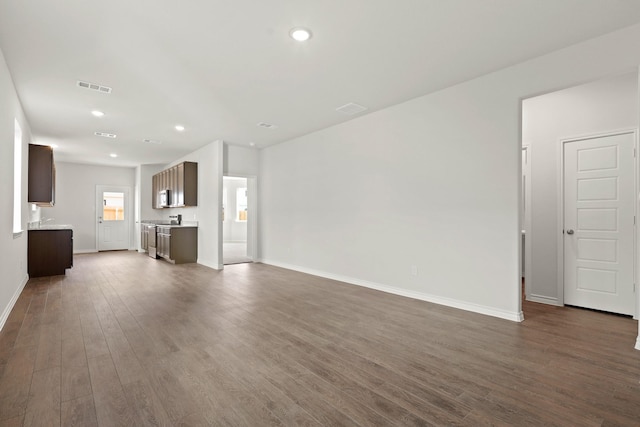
(51, 227)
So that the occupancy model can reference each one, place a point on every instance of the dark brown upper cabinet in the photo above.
(42, 176)
(179, 184)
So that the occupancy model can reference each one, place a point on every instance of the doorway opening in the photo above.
(237, 220)
(575, 247)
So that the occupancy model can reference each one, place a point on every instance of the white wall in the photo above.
(602, 106)
(451, 159)
(76, 199)
(143, 195)
(241, 161)
(13, 249)
(208, 211)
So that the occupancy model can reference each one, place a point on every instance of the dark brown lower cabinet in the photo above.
(178, 245)
(50, 252)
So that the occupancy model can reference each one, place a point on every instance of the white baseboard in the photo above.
(210, 264)
(543, 299)
(12, 302)
(85, 251)
(449, 302)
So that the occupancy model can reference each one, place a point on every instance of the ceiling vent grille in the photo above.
(152, 141)
(93, 86)
(267, 125)
(105, 134)
(351, 108)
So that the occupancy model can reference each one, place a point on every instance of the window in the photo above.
(112, 206)
(241, 204)
(17, 179)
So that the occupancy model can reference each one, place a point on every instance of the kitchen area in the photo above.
(65, 191)
(173, 240)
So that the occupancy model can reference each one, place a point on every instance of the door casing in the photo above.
(252, 221)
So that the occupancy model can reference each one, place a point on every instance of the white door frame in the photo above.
(560, 222)
(252, 219)
(526, 223)
(129, 214)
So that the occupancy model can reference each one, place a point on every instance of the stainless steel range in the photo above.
(152, 242)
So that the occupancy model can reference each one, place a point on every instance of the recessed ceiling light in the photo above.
(97, 113)
(179, 128)
(300, 34)
(252, 144)
(113, 155)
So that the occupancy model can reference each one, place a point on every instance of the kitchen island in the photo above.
(50, 250)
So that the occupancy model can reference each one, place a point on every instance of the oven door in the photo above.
(152, 241)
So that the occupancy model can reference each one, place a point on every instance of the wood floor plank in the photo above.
(123, 339)
(79, 412)
(43, 407)
(112, 407)
(147, 406)
(12, 422)
(94, 342)
(49, 346)
(16, 381)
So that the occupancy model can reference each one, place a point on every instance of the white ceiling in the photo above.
(219, 67)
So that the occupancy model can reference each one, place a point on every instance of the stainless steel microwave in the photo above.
(164, 198)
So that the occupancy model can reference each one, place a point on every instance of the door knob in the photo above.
(570, 231)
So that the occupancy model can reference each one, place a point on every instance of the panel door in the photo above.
(599, 223)
(114, 216)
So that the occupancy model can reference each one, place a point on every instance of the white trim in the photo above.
(12, 302)
(449, 302)
(252, 222)
(560, 222)
(252, 225)
(526, 226)
(218, 265)
(543, 299)
(210, 264)
(638, 343)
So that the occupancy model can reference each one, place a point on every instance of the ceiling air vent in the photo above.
(267, 125)
(93, 86)
(351, 108)
(152, 141)
(105, 134)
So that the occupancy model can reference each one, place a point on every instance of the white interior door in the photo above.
(113, 218)
(599, 223)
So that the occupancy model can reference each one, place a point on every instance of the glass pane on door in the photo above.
(112, 206)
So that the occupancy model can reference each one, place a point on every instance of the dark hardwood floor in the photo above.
(125, 340)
